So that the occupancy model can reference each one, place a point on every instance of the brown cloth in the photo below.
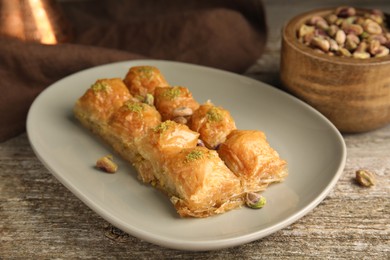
(226, 34)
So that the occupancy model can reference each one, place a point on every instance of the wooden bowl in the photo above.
(354, 94)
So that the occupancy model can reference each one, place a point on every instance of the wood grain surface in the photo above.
(41, 219)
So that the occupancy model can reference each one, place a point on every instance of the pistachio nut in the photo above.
(352, 28)
(383, 51)
(365, 178)
(255, 200)
(182, 111)
(149, 99)
(345, 11)
(314, 20)
(180, 119)
(362, 47)
(332, 30)
(331, 18)
(361, 55)
(340, 37)
(107, 164)
(333, 46)
(344, 52)
(320, 43)
(372, 27)
(200, 143)
(304, 30)
(374, 47)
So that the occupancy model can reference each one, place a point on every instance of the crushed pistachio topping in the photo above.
(135, 107)
(146, 71)
(214, 114)
(171, 93)
(194, 155)
(163, 126)
(99, 86)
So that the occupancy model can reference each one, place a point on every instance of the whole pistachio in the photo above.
(340, 37)
(351, 19)
(182, 111)
(377, 37)
(315, 19)
(305, 30)
(345, 11)
(339, 21)
(350, 43)
(344, 52)
(331, 18)
(332, 30)
(372, 27)
(360, 20)
(349, 28)
(365, 178)
(374, 47)
(333, 46)
(362, 47)
(378, 18)
(322, 24)
(321, 43)
(180, 120)
(383, 51)
(353, 37)
(107, 164)
(255, 200)
(308, 38)
(361, 55)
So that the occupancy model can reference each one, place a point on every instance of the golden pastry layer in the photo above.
(192, 153)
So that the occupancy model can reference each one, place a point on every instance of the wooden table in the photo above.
(40, 218)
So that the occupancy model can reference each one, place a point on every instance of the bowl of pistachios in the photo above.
(338, 61)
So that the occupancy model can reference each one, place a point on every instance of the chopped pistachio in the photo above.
(163, 126)
(135, 107)
(214, 114)
(194, 155)
(172, 93)
(99, 86)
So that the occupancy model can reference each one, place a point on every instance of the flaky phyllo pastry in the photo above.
(193, 153)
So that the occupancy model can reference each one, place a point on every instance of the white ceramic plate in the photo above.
(312, 146)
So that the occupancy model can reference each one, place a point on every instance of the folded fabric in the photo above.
(225, 34)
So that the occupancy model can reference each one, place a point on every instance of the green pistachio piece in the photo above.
(255, 200)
